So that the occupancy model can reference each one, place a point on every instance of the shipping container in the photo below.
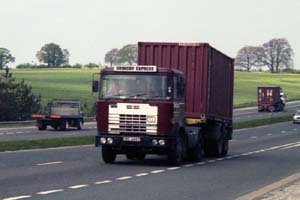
(208, 75)
(270, 98)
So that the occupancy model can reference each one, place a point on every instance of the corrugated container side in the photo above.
(221, 85)
(205, 90)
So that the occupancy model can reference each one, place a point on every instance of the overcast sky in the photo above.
(89, 28)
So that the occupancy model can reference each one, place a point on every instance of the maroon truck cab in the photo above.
(137, 108)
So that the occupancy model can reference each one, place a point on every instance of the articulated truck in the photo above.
(177, 102)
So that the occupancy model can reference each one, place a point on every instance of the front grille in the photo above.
(124, 123)
(133, 123)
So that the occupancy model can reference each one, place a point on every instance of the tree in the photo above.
(127, 54)
(5, 58)
(247, 57)
(17, 102)
(276, 54)
(53, 55)
(111, 56)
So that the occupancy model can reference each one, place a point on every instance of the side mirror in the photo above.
(95, 86)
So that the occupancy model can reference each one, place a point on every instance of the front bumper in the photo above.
(296, 121)
(147, 143)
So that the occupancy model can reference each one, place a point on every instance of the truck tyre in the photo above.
(108, 155)
(214, 148)
(196, 154)
(79, 124)
(225, 147)
(135, 156)
(176, 153)
(63, 125)
(42, 127)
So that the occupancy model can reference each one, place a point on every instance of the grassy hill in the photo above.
(76, 84)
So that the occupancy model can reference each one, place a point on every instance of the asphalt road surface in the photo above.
(245, 114)
(257, 158)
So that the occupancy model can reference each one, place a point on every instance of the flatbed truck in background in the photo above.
(63, 114)
(177, 102)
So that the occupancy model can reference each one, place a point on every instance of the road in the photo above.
(257, 158)
(30, 133)
(245, 114)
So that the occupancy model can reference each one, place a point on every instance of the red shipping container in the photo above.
(208, 75)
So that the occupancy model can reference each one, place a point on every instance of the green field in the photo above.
(76, 84)
(60, 84)
(245, 85)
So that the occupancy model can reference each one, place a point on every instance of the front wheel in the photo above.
(176, 154)
(79, 125)
(108, 155)
(42, 127)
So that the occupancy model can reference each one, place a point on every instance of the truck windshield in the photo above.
(135, 87)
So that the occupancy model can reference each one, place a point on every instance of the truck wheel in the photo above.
(63, 126)
(108, 155)
(135, 156)
(79, 125)
(214, 148)
(196, 154)
(176, 154)
(225, 147)
(42, 127)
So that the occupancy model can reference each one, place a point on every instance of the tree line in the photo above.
(275, 55)
(52, 55)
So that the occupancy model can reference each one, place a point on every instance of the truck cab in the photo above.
(137, 109)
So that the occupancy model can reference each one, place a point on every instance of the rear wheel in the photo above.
(42, 127)
(272, 109)
(225, 147)
(63, 126)
(196, 153)
(79, 125)
(108, 155)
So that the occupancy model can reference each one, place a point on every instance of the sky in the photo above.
(90, 28)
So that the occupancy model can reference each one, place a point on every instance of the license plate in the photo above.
(131, 139)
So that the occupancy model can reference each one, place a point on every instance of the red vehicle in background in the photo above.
(176, 102)
(270, 98)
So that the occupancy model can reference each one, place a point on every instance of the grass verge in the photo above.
(46, 143)
(85, 140)
(261, 122)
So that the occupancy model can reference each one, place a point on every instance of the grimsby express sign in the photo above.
(136, 68)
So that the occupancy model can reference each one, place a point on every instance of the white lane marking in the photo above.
(173, 168)
(124, 178)
(18, 197)
(201, 163)
(102, 182)
(142, 174)
(77, 186)
(188, 165)
(269, 134)
(157, 171)
(295, 129)
(1, 133)
(283, 131)
(289, 147)
(10, 133)
(50, 191)
(253, 137)
(219, 159)
(49, 163)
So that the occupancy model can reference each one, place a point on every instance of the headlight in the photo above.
(109, 140)
(103, 140)
(151, 119)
